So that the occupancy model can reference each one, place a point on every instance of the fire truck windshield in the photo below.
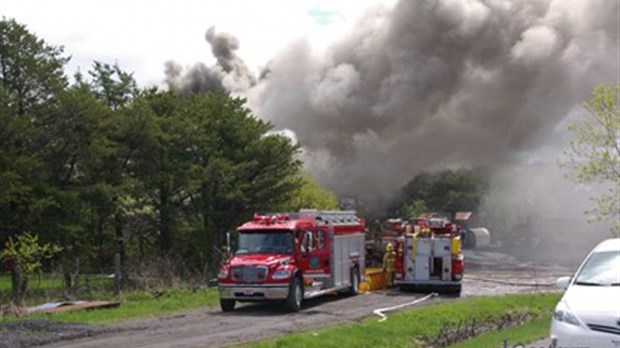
(265, 242)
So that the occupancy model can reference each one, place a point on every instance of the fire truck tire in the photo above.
(295, 295)
(454, 290)
(227, 305)
(355, 282)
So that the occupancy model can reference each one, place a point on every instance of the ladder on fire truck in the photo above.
(331, 216)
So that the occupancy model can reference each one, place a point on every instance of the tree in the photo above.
(310, 195)
(446, 191)
(113, 85)
(31, 78)
(414, 209)
(31, 71)
(593, 155)
(239, 167)
(25, 253)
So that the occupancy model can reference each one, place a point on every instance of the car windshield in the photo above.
(265, 242)
(602, 268)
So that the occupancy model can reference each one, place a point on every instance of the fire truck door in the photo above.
(315, 251)
(322, 249)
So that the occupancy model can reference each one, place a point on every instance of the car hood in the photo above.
(587, 301)
(259, 259)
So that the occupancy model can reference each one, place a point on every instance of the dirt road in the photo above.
(211, 328)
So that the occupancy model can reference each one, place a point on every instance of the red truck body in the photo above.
(294, 256)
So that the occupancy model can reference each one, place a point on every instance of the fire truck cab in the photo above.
(292, 257)
(429, 257)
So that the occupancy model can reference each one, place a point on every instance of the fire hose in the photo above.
(380, 311)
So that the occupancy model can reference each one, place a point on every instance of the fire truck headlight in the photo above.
(223, 273)
(282, 274)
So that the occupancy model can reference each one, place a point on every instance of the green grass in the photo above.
(48, 287)
(406, 329)
(135, 304)
(50, 282)
(43, 282)
(531, 331)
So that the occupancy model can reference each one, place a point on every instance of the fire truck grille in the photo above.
(249, 274)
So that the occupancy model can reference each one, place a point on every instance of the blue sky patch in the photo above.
(325, 17)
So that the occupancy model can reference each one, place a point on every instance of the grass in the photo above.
(407, 329)
(519, 335)
(134, 305)
(44, 282)
(52, 282)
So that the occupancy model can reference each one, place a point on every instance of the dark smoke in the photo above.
(426, 85)
(229, 74)
(436, 84)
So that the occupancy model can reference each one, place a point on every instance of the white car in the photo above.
(588, 315)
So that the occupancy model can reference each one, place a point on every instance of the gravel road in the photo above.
(211, 328)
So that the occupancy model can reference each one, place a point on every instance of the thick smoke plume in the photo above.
(229, 74)
(428, 84)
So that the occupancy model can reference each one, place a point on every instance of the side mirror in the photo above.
(563, 282)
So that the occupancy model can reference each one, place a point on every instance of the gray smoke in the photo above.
(229, 74)
(436, 84)
(429, 84)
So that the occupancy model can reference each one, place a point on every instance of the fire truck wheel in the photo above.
(355, 282)
(456, 290)
(295, 295)
(227, 305)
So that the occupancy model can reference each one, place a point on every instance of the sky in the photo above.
(141, 35)
(374, 91)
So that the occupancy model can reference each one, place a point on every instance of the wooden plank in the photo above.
(86, 305)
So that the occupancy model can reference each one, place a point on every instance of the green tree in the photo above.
(31, 79)
(446, 192)
(594, 152)
(238, 166)
(113, 85)
(310, 195)
(414, 209)
(25, 253)
(31, 71)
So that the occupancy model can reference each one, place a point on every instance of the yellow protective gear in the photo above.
(389, 260)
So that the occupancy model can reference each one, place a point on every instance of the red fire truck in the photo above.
(294, 256)
(429, 256)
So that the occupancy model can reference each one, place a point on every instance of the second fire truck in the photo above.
(429, 256)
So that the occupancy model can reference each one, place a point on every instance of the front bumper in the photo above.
(565, 335)
(254, 292)
(435, 283)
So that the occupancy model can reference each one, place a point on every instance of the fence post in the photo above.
(76, 281)
(117, 273)
(16, 282)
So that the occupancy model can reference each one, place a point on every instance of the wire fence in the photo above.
(69, 283)
(54, 287)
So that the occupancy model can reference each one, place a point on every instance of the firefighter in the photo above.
(389, 258)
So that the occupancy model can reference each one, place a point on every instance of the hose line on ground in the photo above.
(380, 311)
